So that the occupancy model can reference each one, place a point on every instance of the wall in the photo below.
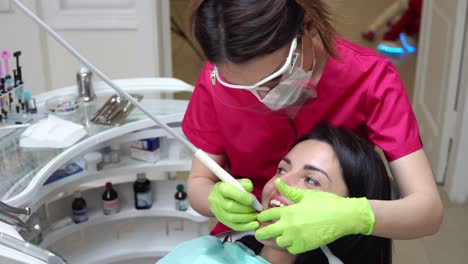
(113, 52)
(20, 33)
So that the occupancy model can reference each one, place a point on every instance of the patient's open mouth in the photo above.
(278, 201)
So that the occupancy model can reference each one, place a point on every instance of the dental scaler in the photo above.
(200, 154)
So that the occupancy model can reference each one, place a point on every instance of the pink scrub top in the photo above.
(359, 90)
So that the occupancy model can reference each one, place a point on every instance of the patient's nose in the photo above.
(290, 178)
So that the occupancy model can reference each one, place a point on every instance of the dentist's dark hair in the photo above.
(240, 30)
(365, 175)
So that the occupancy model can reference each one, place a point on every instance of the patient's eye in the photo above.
(312, 181)
(280, 171)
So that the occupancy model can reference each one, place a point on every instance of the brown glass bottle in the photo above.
(80, 210)
(110, 200)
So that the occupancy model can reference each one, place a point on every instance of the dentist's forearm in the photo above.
(199, 188)
(412, 217)
(199, 185)
(419, 212)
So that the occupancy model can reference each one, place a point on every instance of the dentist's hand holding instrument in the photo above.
(201, 155)
(232, 207)
(226, 178)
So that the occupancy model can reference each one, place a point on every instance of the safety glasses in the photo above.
(287, 68)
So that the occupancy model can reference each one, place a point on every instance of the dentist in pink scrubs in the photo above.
(274, 70)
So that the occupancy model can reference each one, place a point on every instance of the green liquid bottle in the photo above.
(181, 198)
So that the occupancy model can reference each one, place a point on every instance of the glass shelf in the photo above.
(19, 166)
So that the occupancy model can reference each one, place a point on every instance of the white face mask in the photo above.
(289, 90)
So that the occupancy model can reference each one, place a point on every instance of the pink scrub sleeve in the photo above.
(200, 123)
(391, 122)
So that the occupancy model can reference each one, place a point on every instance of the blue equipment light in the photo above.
(405, 44)
(391, 50)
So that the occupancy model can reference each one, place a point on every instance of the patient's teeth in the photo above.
(276, 203)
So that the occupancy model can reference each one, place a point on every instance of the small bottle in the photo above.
(181, 198)
(142, 190)
(93, 161)
(80, 210)
(106, 155)
(114, 154)
(110, 200)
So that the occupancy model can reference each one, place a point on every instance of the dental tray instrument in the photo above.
(200, 154)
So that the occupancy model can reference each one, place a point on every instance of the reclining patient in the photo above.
(330, 160)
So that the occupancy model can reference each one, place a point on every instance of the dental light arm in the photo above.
(200, 154)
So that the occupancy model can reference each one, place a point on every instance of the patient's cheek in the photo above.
(267, 189)
(270, 185)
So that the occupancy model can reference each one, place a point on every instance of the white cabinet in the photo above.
(127, 235)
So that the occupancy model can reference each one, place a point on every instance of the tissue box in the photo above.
(151, 156)
(147, 144)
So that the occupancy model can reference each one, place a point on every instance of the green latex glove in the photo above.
(233, 207)
(315, 219)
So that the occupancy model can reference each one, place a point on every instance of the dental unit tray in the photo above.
(115, 111)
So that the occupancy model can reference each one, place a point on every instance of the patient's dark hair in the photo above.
(365, 175)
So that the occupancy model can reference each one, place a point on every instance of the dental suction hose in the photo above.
(200, 154)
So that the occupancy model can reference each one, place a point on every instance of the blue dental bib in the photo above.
(211, 250)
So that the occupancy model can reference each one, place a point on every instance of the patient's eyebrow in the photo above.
(313, 168)
(309, 167)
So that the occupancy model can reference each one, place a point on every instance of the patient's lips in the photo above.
(275, 201)
(278, 201)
